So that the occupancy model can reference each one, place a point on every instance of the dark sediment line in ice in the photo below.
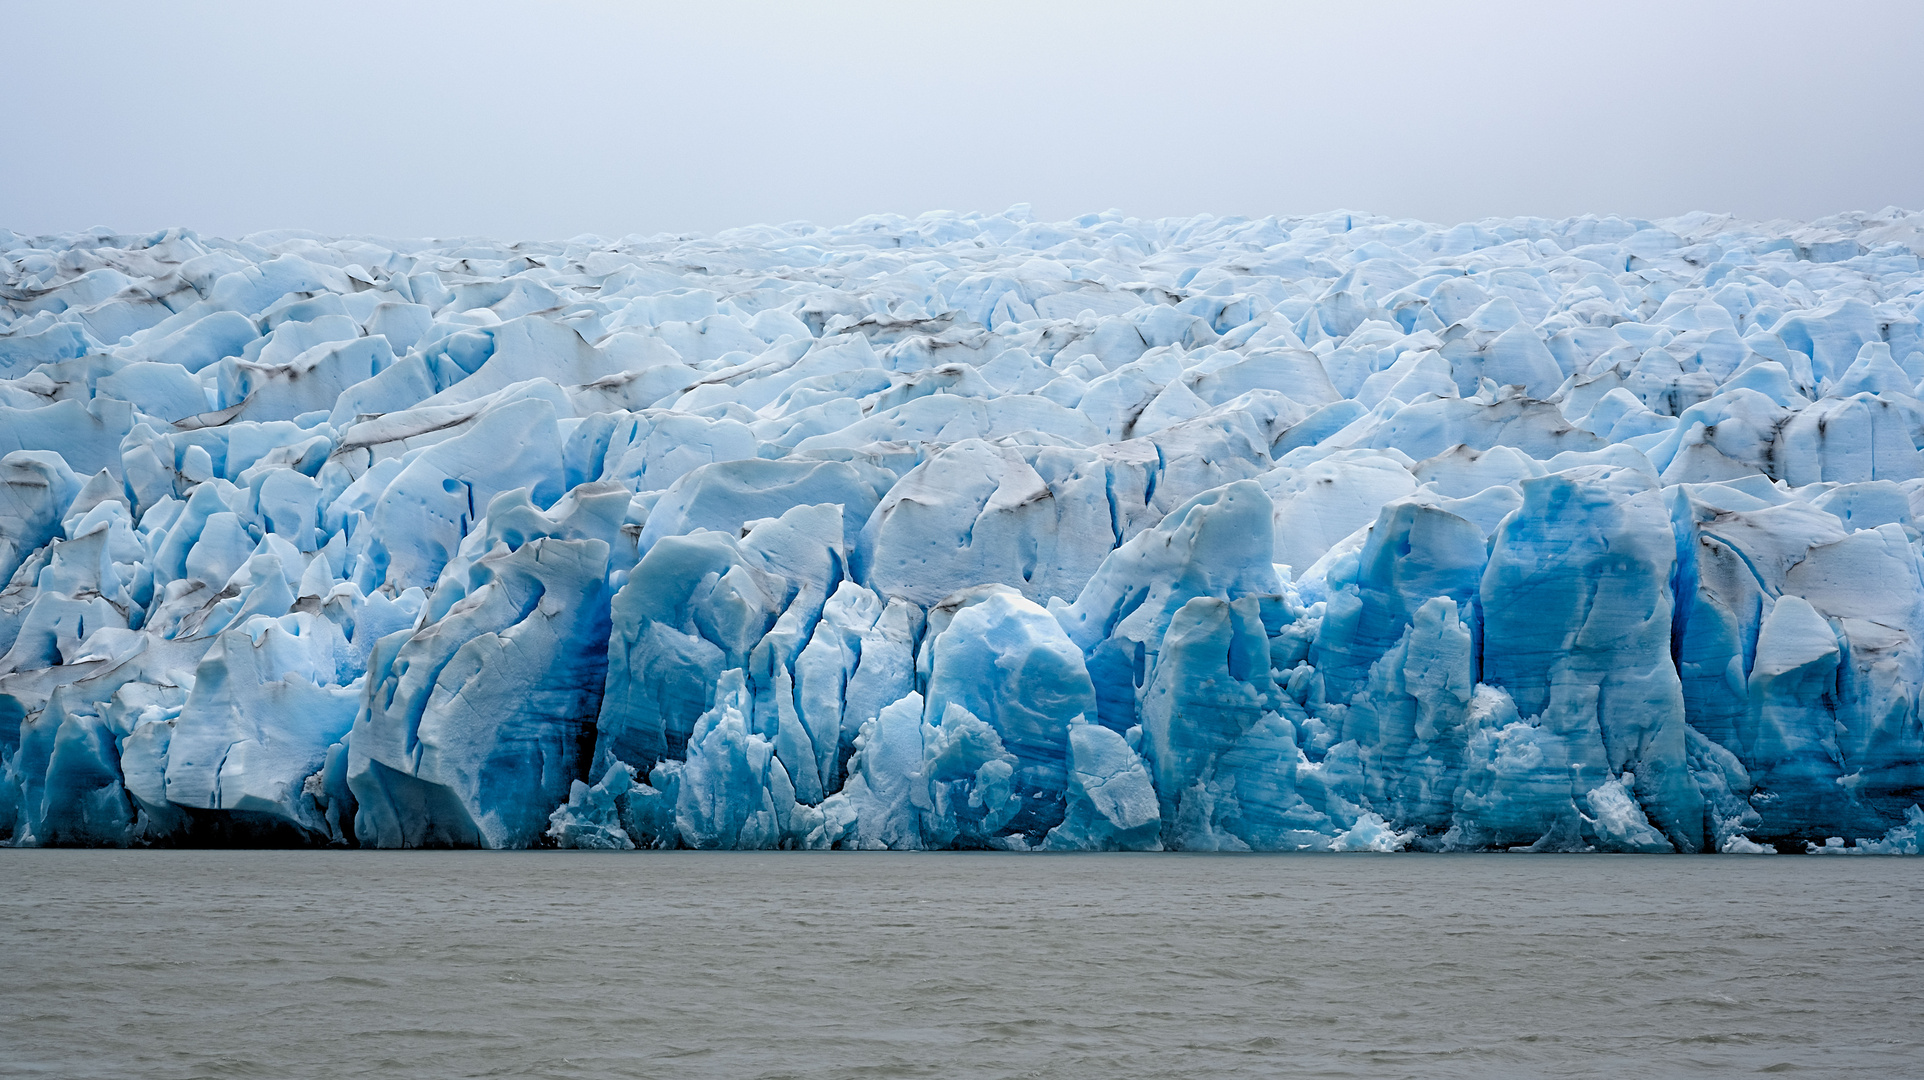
(966, 531)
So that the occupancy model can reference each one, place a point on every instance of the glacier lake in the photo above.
(212, 963)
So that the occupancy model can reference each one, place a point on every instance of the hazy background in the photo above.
(553, 119)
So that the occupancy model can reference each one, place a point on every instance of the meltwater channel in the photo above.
(284, 964)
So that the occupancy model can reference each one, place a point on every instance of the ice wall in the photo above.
(1332, 533)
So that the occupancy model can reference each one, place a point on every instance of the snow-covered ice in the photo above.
(1329, 533)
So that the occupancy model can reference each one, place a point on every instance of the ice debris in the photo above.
(1334, 533)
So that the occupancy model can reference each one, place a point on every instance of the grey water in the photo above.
(177, 964)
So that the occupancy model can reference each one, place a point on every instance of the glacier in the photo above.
(1332, 533)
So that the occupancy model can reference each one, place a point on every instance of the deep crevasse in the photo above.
(970, 531)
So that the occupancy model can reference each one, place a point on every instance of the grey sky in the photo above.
(548, 120)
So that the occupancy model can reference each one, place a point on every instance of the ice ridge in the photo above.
(970, 531)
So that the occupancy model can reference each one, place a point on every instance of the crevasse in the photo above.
(967, 531)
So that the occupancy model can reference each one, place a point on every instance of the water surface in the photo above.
(175, 964)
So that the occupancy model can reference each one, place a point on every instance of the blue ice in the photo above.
(1331, 533)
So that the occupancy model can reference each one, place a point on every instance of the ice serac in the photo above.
(701, 604)
(1409, 719)
(269, 699)
(476, 725)
(1325, 533)
(876, 808)
(1577, 610)
(435, 499)
(1112, 801)
(975, 513)
(1873, 742)
(36, 487)
(732, 791)
(1216, 546)
(1005, 662)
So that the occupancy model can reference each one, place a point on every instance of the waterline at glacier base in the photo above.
(970, 531)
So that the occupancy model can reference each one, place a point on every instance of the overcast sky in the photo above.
(553, 119)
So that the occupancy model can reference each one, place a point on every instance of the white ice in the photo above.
(1329, 533)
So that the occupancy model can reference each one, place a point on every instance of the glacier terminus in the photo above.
(1333, 533)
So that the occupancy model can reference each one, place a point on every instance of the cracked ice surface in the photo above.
(1336, 533)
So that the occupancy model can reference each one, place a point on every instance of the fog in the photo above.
(551, 120)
